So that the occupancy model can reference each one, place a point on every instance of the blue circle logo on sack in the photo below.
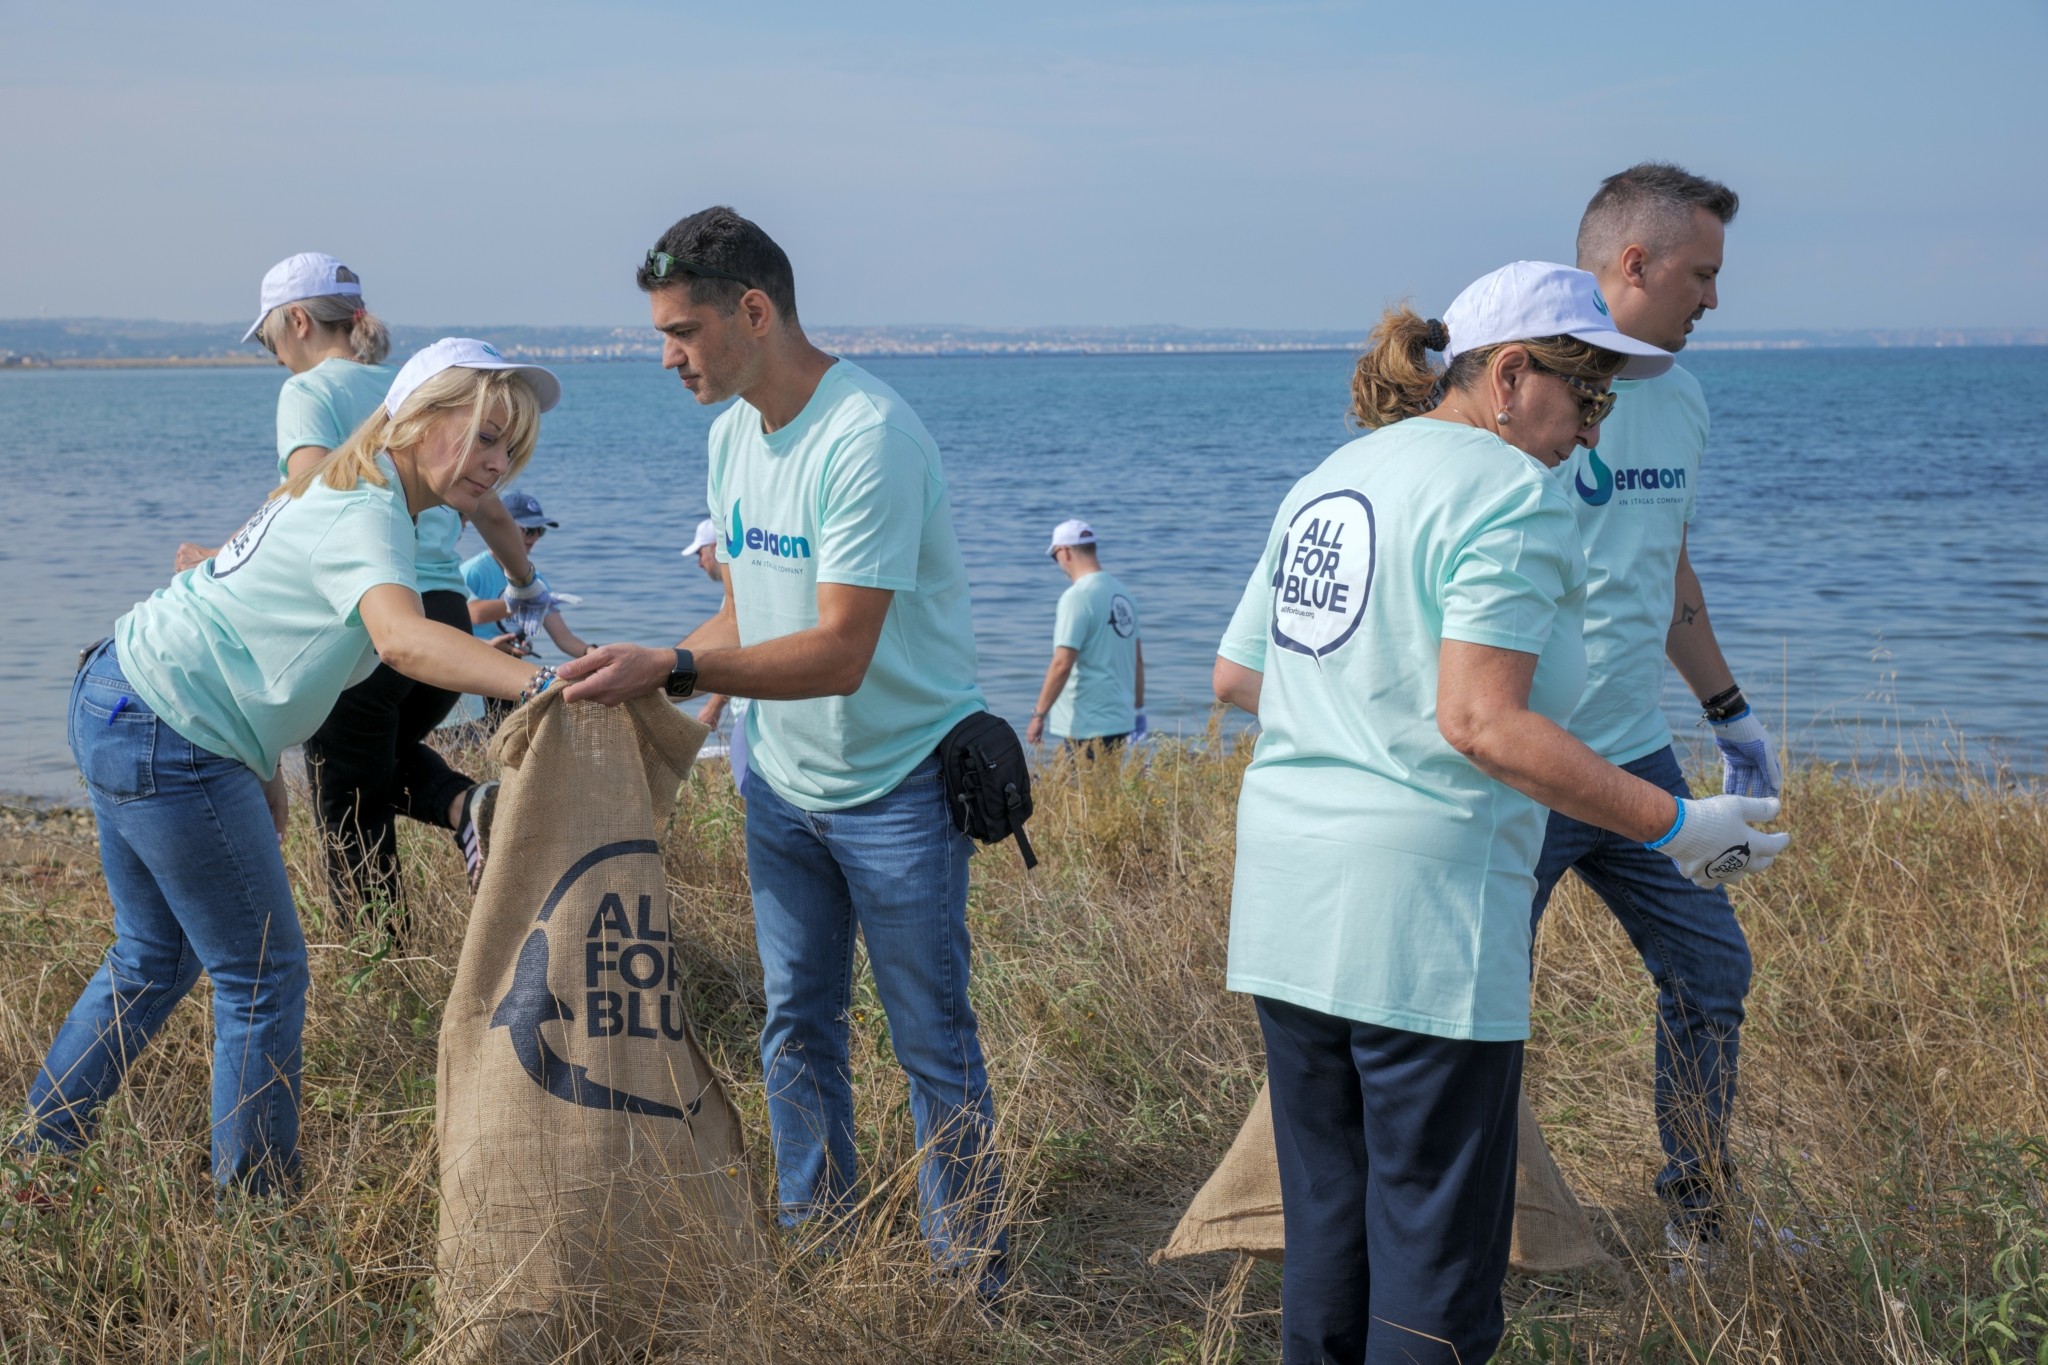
(1603, 481)
(242, 545)
(1324, 575)
(1123, 617)
(623, 950)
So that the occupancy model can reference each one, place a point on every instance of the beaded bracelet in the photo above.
(541, 681)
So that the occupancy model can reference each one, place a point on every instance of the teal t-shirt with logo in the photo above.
(322, 407)
(1634, 496)
(1380, 875)
(245, 654)
(1097, 619)
(851, 492)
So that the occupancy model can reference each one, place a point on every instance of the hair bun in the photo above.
(1435, 335)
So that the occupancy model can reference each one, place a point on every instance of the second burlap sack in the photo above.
(1238, 1209)
(593, 1175)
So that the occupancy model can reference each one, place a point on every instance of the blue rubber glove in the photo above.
(1749, 761)
(1139, 729)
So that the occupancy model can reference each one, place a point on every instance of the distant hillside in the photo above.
(113, 341)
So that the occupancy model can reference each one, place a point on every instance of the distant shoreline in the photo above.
(547, 356)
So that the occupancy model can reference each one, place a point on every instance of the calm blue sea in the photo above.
(1870, 530)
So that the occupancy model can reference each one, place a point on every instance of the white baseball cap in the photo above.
(707, 534)
(1070, 533)
(467, 353)
(308, 275)
(1532, 299)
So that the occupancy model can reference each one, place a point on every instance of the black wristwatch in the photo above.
(682, 680)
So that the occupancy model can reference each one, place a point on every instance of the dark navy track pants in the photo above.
(1397, 1181)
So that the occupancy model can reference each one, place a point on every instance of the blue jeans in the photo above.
(1397, 1188)
(192, 865)
(1695, 951)
(896, 870)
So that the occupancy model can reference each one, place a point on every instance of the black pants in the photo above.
(368, 764)
(1397, 1189)
(1096, 746)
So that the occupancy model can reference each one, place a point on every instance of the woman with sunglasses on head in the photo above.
(1411, 645)
(370, 763)
(177, 722)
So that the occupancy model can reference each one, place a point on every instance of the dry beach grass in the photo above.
(1894, 1115)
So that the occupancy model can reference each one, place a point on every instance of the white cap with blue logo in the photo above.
(308, 275)
(467, 353)
(1532, 299)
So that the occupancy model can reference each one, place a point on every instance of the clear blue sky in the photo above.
(1251, 164)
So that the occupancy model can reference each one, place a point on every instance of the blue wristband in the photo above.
(1672, 833)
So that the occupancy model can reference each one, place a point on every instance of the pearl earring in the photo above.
(1502, 417)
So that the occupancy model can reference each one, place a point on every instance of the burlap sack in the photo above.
(1239, 1208)
(592, 1169)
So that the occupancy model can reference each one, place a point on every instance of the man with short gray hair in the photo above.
(1653, 236)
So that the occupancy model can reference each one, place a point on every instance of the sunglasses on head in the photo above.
(1594, 405)
(663, 266)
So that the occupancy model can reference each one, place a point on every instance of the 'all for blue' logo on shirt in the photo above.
(1324, 574)
(745, 537)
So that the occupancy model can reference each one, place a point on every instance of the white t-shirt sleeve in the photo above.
(871, 525)
(1503, 584)
(1251, 625)
(1071, 627)
(367, 546)
(304, 418)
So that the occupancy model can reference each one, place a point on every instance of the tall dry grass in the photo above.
(1892, 1113)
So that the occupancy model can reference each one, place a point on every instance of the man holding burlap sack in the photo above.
(846, 622)
(593, 1178)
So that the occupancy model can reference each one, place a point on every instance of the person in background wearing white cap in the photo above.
(178, 721)
(370, 760)
(1410, 641)
(1653, 236)
(703, 548)
(847, 620)
(491, 618)
(1094, 691)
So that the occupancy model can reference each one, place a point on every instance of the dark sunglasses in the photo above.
(1594, 405)
(662, 265)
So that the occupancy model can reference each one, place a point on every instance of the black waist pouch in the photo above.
(988, 782)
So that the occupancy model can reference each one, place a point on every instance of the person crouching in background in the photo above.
(493, 620)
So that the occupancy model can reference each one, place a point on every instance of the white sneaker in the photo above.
(1702, 1251)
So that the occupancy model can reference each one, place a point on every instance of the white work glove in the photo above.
(528, 607)
(1139, 729)
(1712, 843)
(1749, 761)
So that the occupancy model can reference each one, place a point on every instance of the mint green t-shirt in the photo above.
(323, 407)
(852, 492)
(1634, 497)
(1380, 875)
(245, 654)
(1097, 619)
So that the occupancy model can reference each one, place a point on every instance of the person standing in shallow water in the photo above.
(1410, 641)
(1653, 236)
(846, 622)
(369, 762)
(1094, 691)
(177, 723)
